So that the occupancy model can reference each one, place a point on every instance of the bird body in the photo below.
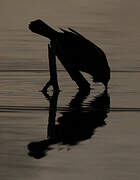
(75, 52)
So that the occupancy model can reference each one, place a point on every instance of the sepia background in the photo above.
(113, 151)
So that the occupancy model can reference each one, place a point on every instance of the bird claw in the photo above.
(45, 88)
(50, 83)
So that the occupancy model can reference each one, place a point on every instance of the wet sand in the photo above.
(112, 151)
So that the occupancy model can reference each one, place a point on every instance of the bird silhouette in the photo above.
(76, 53)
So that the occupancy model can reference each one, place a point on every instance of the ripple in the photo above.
(63, 109)
(123, 109)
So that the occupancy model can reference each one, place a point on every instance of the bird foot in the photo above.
(50, 83)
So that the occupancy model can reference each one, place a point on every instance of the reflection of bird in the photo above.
(76, 53)
(76, 124)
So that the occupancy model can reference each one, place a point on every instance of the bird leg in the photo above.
(53, 72)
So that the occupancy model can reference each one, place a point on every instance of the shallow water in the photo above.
(111, 151)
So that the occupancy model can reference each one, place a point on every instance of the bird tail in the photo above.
(39, 27)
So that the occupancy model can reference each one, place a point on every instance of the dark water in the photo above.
(112, 151)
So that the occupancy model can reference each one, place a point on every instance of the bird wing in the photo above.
(75, 32)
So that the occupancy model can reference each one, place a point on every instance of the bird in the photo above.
(76, 53)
